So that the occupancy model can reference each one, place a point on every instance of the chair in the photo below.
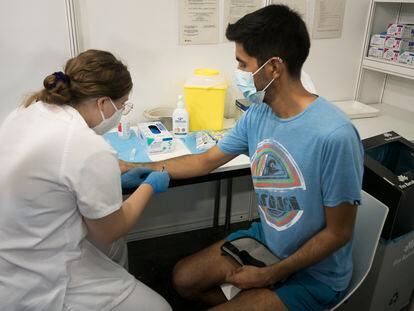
(368, 226)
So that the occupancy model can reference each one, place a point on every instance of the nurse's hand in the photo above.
(134, 177)
(158, 181)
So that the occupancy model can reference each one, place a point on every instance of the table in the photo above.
(239, 166)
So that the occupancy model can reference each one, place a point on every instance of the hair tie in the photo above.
(60, 76)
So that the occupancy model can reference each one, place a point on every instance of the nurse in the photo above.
(59, 182)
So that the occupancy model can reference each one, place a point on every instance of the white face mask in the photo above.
(110, 123)
(245, 83)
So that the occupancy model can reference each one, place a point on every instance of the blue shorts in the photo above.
(300, 291)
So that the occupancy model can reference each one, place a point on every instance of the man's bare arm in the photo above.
(338, 231)
(187, 166)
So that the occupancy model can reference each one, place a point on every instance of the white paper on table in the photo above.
(328, 19)
(229, 290)
(179, 149)
(198, 21)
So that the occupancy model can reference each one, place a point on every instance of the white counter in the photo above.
(239, 162)
(391, 118)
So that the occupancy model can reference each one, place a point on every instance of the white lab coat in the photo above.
(53, 171)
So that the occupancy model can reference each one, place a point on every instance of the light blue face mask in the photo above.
(245, 83)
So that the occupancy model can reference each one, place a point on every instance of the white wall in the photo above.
(145, 35)
(334, 63)
(34, 43)
(399, 92)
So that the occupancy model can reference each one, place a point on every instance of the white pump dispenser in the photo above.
(180, 119)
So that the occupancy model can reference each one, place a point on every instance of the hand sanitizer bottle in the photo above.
(180, 119)
(124, 130)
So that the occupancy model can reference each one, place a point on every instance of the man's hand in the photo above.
(250, 277)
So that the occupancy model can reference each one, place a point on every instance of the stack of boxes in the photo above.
(394, 45)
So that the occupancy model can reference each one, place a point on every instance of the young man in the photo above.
(306, 163)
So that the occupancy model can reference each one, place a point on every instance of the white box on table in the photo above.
(155, 137)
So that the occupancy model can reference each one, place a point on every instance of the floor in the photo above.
(152, 260)
(411, 306)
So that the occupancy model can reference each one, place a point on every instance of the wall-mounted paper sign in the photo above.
(236, 9)
(198, 21)
(297, 5)
(329, 19)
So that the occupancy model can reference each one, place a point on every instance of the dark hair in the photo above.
(274, 30)
(92, 73)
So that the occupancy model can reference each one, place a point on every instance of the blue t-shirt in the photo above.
(299, 165)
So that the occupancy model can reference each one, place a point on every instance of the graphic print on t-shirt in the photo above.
(275, 173)
(280, 212)
(274, 168)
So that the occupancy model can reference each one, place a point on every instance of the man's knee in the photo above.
(182, 279)
(197, 273)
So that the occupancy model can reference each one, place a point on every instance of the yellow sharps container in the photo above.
(204, 94)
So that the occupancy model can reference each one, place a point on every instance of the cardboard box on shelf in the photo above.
(390, 55)
(376, 52)
(401, 30)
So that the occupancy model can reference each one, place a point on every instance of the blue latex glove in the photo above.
(158, 181)
(134, 177)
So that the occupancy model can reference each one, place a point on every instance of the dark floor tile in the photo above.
(151, 261)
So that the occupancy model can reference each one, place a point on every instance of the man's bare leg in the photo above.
(198, 277)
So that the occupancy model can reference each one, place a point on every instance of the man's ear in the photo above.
(277, 67)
